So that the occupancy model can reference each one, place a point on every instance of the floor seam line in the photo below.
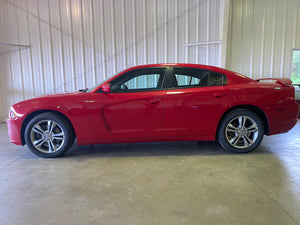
(266, 193)
(11, 163)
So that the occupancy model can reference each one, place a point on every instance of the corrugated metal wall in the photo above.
(261, 36)
(73, 44)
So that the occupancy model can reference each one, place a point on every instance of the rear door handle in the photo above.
(219, 95)
(155, 101)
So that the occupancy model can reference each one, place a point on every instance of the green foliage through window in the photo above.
(296, 67)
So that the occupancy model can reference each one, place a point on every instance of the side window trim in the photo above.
(167, 79)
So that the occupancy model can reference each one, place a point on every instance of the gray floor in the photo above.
(156, 183)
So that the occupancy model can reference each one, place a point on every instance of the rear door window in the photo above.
(189, 78)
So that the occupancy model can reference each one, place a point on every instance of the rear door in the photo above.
(195, 101)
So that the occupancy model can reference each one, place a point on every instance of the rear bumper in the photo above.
(281, 121)
(298, 102)
(14, 131)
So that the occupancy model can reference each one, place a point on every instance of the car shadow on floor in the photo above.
(201, 148)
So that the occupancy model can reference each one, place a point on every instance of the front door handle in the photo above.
(219, 95)
(155, 101)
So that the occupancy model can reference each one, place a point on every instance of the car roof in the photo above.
(190, 65)
(232, 77)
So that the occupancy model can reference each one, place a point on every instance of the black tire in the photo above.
(240, 131)
(49, 135)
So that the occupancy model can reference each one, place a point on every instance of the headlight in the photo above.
(12, 113)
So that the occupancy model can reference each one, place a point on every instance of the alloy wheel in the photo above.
(47, 136)
(241, 132)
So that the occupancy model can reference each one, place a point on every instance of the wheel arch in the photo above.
(252, 108)
(38, 112)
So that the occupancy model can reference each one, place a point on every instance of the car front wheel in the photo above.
(49, 135)
(240, 131)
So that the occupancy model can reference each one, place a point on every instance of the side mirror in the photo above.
(106, 88)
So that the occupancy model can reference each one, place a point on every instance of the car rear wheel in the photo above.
(240, 131)
(49, 135)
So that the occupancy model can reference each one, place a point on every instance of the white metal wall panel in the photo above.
(4, 65)
(78, 43)
(261, 37)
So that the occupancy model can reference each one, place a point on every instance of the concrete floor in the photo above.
(156, 183)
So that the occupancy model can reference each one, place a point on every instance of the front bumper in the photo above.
(14, 130)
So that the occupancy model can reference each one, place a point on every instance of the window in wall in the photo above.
(296, 67)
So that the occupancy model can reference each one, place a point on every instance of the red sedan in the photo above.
(162, 102)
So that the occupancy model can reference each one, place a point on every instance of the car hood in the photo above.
(58, 95)
(52, 100)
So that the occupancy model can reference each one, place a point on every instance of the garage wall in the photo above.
(261, 37)
(72, 44)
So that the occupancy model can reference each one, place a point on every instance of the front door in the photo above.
(133, 109)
